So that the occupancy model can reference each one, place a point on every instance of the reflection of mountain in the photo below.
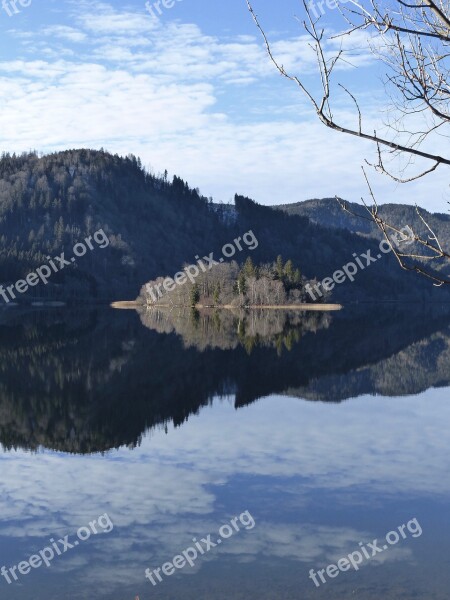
(92, 381)
(422, 365)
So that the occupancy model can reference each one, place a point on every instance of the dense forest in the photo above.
(156, 225)
(49, 203)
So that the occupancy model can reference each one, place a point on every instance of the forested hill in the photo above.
(48, 204)
(156, 226)
(328, 213)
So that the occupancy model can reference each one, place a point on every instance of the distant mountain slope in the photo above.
(328, 213)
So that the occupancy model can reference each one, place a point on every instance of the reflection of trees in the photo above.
(91, 381)
(229, 329)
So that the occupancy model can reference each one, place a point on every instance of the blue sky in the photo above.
(194, 92)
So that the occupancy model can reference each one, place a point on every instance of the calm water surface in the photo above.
(329, 429)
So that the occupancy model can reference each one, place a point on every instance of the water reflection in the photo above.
(231, 329)
(90, 381)
(317, 478)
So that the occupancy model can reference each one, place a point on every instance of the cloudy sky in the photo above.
(192, 91)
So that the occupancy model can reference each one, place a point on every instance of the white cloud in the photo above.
(66, 33)
(213, 110)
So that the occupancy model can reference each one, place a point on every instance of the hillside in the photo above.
(328, 213)
(49, 204)
(154, 227)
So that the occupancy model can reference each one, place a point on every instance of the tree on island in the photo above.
(228, 284)
(195, 295)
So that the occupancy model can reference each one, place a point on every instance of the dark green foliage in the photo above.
(216, 294)
(280, 267)
(249, 269)
(195, 295)
(241, 287)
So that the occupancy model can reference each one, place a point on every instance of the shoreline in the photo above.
(133, 305)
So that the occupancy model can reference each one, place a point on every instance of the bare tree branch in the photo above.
(413, 42)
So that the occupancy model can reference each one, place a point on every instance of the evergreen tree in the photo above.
(195, 295)
(249, 268)
(279, 267)
(241, 284)
(216, 294)
(288, 272)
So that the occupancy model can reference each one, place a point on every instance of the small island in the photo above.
(276, 285)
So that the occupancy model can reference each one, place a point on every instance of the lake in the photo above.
(258, 448)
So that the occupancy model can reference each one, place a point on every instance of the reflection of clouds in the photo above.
(392, 553)
(306, 543)
(169, 490)
(90, 486)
